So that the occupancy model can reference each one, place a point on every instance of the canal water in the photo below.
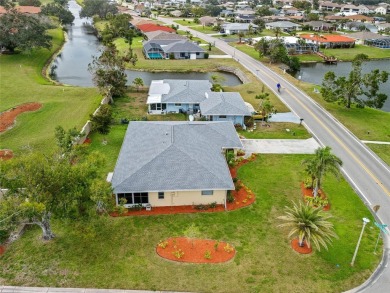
(314, 73)
(71, 65)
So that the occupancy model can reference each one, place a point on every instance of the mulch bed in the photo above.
(242, 198)
(302, 250)
(6, 155)
(7, 118)
(2, 249)
(87, 141)
(308, 192)
(193, 250)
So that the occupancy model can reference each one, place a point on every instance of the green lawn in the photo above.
(21, 82)
(120, 252)
(277, 131)
(383, 150)
(349, 54)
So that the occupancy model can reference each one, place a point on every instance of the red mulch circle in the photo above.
(194, 250)
(6, 155)
(309, 193)
(242, 198)
(7, 118)
(2, 249)
(302, 250)
(87, 141)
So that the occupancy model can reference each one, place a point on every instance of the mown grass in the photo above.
(120, 252)
(350, 53)
(382, 149)
(22, 81)
(276, 131)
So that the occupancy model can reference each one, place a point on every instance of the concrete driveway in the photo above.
(280, 146)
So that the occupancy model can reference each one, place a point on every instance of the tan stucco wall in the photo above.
(179, 198)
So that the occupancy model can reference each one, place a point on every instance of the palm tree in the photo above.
(138, 82)
(323, 162)
(277, 32)
(240, 36)
(309, 224)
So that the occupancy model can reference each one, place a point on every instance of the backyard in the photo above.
(84, 252)
(22, 82)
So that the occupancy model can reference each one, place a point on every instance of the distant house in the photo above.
(224, 106)
(245, 16)
(161, 35)
(329, 41)
(235, 28)
(174, 163)
(319, 25)
(208, 20)
(172, 49)
(360, 26)
(383, 8)
(150, 27)
(23, 9)
(372, 39)
(329, 6)
(350, 8)
(176, 96)
(283, 25)
(360, 18)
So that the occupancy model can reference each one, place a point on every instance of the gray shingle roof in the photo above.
(186, 91)
(183, 46)
(161, 35)
(224, 103)
(170, 156)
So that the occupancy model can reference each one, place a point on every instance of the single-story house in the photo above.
(329, 6)
(224, 106)
(329, 41)
(161, 35)
(208, 20)
(283, 25)
(172, 49)
(373, 38)
(235, 28)
(359, 26)
(174, 163)
(150, 27)
(319, 25)
(176, 95)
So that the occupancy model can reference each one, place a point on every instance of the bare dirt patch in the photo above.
(7, 118)
(190, 250)
(6, 155)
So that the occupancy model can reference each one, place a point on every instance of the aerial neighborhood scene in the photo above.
(194, 146)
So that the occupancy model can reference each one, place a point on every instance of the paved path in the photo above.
(376, 142)
(365, 171)
(280, 146)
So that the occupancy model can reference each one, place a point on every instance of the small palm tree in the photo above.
(277, 32)
(138, 82)
(324, 162)
(309, 224)
(240, 36)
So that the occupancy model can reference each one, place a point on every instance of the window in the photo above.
(222, 116)
(182, 55)
(152, 106)
(161, 195)
(197, 53)
(207, 192)
(177, 104)
(134, 198)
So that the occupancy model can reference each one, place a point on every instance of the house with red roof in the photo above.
(150, 27)
(329, 41)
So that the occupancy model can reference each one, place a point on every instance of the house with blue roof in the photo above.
(174, 163)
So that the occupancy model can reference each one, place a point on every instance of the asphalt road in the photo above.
(365, 171)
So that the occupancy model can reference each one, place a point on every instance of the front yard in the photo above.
(120, 252)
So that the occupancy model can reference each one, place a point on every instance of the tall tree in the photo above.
(348, 90)
(42, 186)
(58, 10)
(101, 8)
(108, 72)
(309, 224)
(323, 162)
(23, 32)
